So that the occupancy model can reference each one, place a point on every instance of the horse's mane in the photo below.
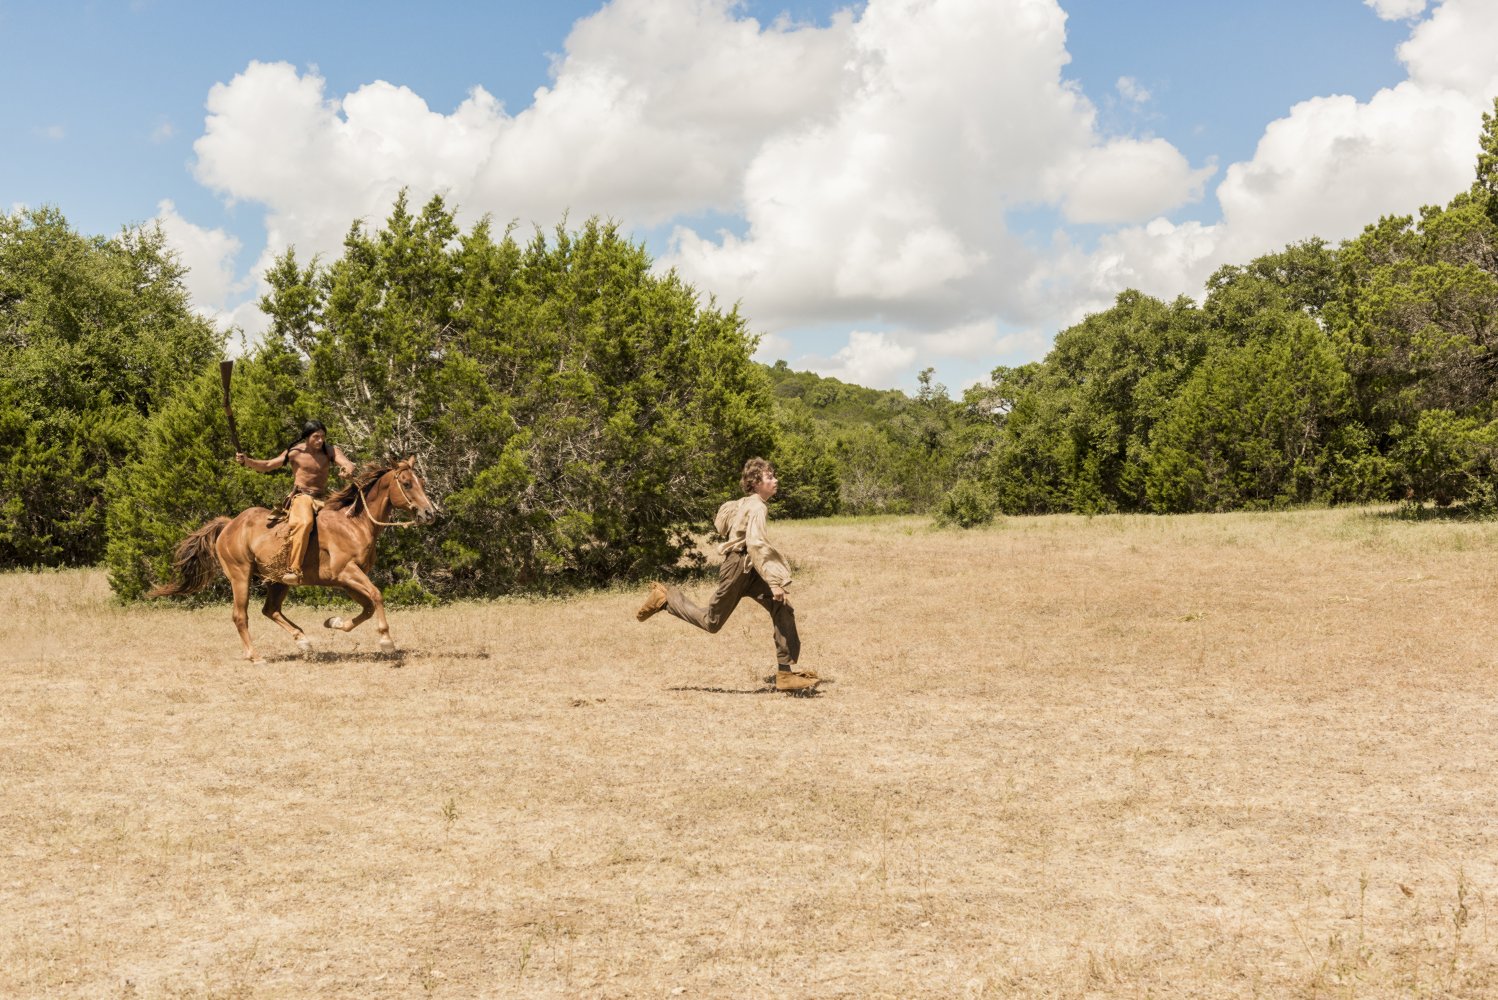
(350, 496)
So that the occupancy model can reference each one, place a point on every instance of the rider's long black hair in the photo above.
(310, 428)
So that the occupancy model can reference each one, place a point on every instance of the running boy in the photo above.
(751, 568)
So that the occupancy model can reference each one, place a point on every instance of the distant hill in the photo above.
(833, 401)
(849, 449)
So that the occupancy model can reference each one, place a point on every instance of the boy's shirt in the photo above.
(743, 521)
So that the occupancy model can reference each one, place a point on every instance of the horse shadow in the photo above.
(395, 657)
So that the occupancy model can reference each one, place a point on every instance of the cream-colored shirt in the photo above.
(746, 533)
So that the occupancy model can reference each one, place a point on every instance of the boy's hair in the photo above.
(754, 470)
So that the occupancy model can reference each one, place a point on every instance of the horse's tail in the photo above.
(195, 564)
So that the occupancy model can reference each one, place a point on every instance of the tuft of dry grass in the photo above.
(1245, 755)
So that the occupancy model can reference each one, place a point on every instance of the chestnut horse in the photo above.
(347, 528)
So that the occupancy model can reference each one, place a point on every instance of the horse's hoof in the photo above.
(334, 622)
(258, 661)
(304, 645)
(386, 646)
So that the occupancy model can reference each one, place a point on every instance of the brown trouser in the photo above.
(738, 579)
(301, 514)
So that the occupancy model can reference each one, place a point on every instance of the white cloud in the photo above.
(1126, 180)
(163, 132)
(980, 340)
(872, 162)
(872, 359)
(889, 359)
(869, 194)
(1131, 90)
(1161, 258)
(271, 137)
(1396, 10)
(974, 340)
(208, 255)
(1454, 49)
(1335, 165)
(895, 205)
(655, 109)
(1329, 167)
(772, 347)
(52, 133)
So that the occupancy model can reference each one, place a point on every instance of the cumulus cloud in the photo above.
(1396, 10)
(318, 164)
(895, 205)
(980, 340)
(1126, 180)
(1329, 167)
(773, 347)
(872, 359)
(872, 159)
(1131, 90)
(975, 340)
(209, 256)
(654, 111)
(1454, 50)
(872, 164)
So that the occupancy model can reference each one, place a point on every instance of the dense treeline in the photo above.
(574, 414)
(1313, 375)
(95, 335)
(578, 415)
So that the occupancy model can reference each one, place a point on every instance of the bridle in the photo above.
(404, 496)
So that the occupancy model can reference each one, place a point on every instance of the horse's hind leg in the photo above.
(275, 594)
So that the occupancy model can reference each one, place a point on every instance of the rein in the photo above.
(387, 524)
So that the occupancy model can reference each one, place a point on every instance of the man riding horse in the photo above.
(247, 547)
(311, 458)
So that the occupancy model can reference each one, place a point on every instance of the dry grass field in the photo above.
(1218, 756)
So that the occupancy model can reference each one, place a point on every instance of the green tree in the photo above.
(94, 335)
(1485, 187)
(575, 413)
(1445, 458)
(1073, 431)
(1266, 423)
(810, 485)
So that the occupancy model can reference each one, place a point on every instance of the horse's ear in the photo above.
(409, 461)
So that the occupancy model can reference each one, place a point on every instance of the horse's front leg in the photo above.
(363, 590)
(241, 585)
(275, 594)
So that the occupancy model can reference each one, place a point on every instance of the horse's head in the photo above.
(407, 491)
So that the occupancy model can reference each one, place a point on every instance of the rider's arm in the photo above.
(344, 465)
(260, 464)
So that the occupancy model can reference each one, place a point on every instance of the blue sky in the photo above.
(882, 186)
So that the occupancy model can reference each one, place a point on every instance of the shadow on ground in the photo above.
(395, 657)
(767, 688)
(1419, 513)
